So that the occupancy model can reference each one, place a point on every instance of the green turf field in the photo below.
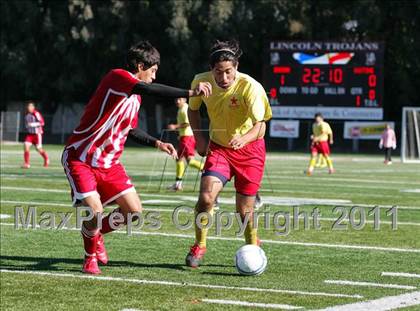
(310, 269)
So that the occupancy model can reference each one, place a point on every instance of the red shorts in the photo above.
(321, 147)
(34, 139)
(85, 180)
(246, 164)
(186, 147)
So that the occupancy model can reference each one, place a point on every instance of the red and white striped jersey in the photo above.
(34, 122)
(108, 117)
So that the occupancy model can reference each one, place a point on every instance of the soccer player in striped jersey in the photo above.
(91, 156)
(322, 137)
(186, 146)
(238, 109)
(34, 123)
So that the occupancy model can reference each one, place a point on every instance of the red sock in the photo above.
(106, 223)
(90, 240)
(26, 157)
(44, 155)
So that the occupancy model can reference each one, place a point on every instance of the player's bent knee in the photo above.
(205, 202)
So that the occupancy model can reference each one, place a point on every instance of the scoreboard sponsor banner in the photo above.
(365, 130)
(335, 75)
(332, 113)
(284, 128)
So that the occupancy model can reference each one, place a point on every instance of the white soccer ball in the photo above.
(250, 260)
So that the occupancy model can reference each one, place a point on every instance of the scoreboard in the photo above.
(342, 80)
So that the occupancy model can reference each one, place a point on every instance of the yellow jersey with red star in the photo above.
(321, 130)
(182, 120)
(234, 110)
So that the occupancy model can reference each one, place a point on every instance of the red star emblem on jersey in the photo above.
(234, 102)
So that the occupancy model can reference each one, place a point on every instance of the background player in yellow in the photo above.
(186, 146)
(321, 138)
(238, 109)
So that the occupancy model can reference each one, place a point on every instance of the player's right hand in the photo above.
(203, 89)
(168, 148)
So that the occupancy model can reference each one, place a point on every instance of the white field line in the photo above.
(347, 180)
(369, 284)
(251, 304)
(181, 284)
(381, 304)
(151, 209)
(343, 192)
(294, 243)
(335, 184)
(401, 274)
(410, 190)
(194, 198)
(263, 190)
(170, 210)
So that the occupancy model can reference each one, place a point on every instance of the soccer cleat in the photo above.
(46, 162)
(259, 242)
(25, 166)
(90, 265)
(308, 172)
(175, 187)
(101, 253)
(331, 171)
(195, 256)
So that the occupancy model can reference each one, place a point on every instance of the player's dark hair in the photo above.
(318, 114)
(222, 51)
(142, 53)
(29, 102)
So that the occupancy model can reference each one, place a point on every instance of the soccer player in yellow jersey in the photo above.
(186, 147)
(321, 139)
(238, 109)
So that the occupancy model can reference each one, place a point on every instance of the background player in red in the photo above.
(34, 123)
(91, 156)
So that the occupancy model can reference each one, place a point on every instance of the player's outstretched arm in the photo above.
(143, 138)
(156, 89)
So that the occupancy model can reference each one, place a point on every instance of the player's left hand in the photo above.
(238, 142)
(168, 148)
(331, 142)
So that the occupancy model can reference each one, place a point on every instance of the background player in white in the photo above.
(34, 123)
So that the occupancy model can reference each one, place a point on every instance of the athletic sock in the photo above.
(196, 164)
(201, 233)
(312, 163)
(319, 161)
(26, 157)
(44, 156)
(329, 162)
(90, 239)
(180, 169)
(250, 233)
(106, 223)
(323, 161)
